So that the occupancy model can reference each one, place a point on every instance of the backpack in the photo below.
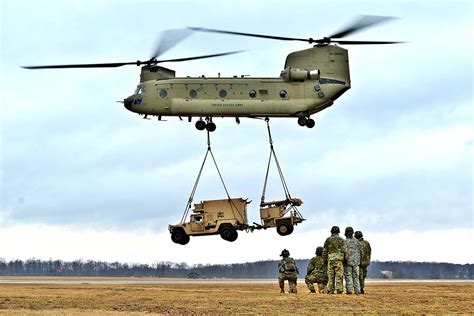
(290, 265)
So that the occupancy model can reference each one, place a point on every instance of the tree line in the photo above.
(258, 269)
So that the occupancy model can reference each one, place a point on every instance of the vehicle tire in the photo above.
(200, 125)
(228, 232)
(179, 237)
(234, 236)
(211, 127)
(310, 123)
(302, 121)
(284, 229)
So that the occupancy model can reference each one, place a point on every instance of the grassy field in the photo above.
(380, 298)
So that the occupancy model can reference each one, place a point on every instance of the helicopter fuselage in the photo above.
(311, 81)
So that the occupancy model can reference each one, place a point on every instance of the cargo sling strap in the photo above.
(280, 172)
(191, 197)
(290, 202)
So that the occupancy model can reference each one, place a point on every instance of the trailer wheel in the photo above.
(284, 229)
(179, 237)
(228, 233)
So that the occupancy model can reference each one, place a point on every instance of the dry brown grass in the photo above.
(384, 298)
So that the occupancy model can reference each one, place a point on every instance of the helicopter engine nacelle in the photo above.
(291, 74)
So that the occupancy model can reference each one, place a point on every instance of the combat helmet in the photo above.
(285, 253)
(358, 234)
(335, 230)
(319, 251)
(349, 231)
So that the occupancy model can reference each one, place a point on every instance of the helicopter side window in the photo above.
(163, 93)
(252, 93)
(283, 93)
(193, 93)
(222, 93)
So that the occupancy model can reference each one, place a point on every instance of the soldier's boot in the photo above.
(293, 288)
(362, 291)
(312, 291)
(339, 292)
(348, 293)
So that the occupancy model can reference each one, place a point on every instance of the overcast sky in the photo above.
(81, 177)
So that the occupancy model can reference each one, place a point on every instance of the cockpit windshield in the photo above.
(140, 89)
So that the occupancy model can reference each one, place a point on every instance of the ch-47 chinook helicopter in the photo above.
(312, 80)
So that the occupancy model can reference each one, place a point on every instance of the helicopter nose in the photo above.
(127, 102)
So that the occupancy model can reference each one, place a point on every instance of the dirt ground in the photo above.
(95, 299)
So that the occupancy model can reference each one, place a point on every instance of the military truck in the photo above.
(274, 214)
(212, 217)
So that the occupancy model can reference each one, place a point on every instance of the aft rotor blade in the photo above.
(283, 38)
(362, 22)
(168, 40)
(103, 65)
(198, 57)
(363, 42)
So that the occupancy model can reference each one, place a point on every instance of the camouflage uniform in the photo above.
(364, 262)
(317, 272)
(288, 271)
(335, 250)
(351, 265)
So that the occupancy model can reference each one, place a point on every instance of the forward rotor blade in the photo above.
(201, 29)
(197, 57)
(103, 65)
(137, 63)
(362, 22)
(169, 39)
(363, 42)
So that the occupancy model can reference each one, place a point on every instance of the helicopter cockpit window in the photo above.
(252, 93)
(163, 93)
(140, 89)
(193, 93)
(283, 93)
(222, 93)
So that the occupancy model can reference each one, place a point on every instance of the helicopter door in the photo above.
(163, 98)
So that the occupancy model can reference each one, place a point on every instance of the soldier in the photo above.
(335, 250)
(317, 272)
(352, 262)
(365, 259)
(288, 271)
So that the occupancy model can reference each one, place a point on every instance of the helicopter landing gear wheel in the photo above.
(302, 121)
(310, 123)
(211, 127)
(284, 229)
(200, 125)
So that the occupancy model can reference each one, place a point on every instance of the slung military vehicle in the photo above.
(311, 80)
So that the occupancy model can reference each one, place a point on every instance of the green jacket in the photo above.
(335, 249)
(366, 252)
(317, 266)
